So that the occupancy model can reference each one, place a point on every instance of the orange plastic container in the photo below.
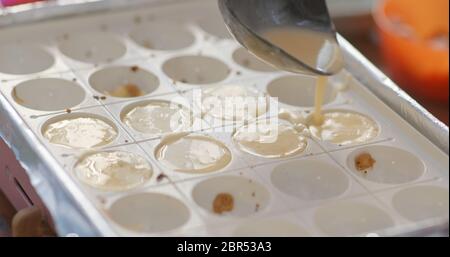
(414, 44)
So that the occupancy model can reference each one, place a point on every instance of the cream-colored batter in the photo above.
(115, 170)
(80, 133)
(296, 118)
(158, 117)
(234, 102)
(270, 140)
(316, 49)
(318, 99)
(190, 153)
(344, 128)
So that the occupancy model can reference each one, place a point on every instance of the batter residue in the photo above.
(80, 133)
(233, 102)
(190, 153)
(269, 140)
(344, 128)
(158, 117)
(115, 170)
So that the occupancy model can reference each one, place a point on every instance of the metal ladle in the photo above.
(248, 20)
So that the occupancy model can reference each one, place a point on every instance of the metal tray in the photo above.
(74, 212)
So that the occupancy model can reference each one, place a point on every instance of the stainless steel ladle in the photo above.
(247, 20)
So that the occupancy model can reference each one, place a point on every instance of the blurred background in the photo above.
(406, 39)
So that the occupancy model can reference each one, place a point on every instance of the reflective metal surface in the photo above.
(249, 20)
(72, 212)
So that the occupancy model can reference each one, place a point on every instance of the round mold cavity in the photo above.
(48, 94)
(191, 153)
(298, 91)
(163, 36)
(157, 117)
(244, 58)
(93, 48)
(20, 59)
(233, 102)
(351, 219)
(309, 179)
(344, 127)
(113, 170)
(214, 26)
(79, 130)
(270, 140)
(392, 165)
(149, 213)
(248, 195)
(270, 228)
(124, 81)
(422, 202)
(197, 70)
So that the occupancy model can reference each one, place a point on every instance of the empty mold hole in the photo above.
(298, 91)
(244, 58)
(249, 197)
(344, 127)
(191, 153)
(48, 94)
(213, 24)
(233, 102)
(270, 228)
(149, 213)
(351, 219)
(79, 130)
(22, 59)
(162, 36)
(309, 179)
(196, 69)
(124, 81)
(269, 139)
(156, 117)
(93, 48)
(422, 202)
(113, 170)
(392, 165)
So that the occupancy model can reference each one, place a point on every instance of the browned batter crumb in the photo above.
(223, 202)
(257, 207)
(134, 68)
(184, 81)
(128, 90)
(102, 97)
(68, 110)
(364, 162)
(160, 177)
(96, 97)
